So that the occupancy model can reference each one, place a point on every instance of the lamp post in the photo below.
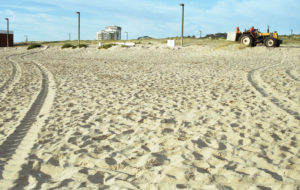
(182, 24)
(26, 39)
(7, 31)
(78, 28)
(126, 35)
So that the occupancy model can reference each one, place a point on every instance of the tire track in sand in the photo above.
(15, 76)
(17, 83)
(13, 79)
(15, 149)
(277, 99)
(290, 72)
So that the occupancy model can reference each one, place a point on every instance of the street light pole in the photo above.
(78, 28)
(182, 24)
(26, 39)
(7, 31)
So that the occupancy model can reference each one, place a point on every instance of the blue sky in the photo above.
(51, 20)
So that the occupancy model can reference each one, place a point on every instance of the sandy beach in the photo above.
(150, 117)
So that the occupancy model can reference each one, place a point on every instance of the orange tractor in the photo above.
(253, 37)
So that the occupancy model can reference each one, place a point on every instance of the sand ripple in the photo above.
(149, 117)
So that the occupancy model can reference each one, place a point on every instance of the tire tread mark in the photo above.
(8, 147)
(16, 71)
(14, 76)
(15, 149)
(288, 72)
(254, 84)
(273, 99)
(11, 78)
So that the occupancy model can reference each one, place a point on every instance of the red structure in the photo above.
(3, 38)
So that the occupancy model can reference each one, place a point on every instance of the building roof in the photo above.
(114, 26)
(5, 32)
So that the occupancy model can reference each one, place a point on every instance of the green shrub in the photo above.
(34, 46)
(83, 46)
(106, 46)
(67, 46)
(21, 44)
(164, 41)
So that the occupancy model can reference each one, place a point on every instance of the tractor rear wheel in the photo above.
(247, 40)
(270, 42)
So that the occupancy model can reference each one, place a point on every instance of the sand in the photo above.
(150, 117)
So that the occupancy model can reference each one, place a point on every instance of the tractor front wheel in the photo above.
(247, 40)
(270, 42)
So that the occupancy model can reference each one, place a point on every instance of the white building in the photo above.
(110, 33)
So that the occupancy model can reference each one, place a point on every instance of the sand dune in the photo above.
(150, 117)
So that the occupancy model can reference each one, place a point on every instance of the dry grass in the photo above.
(72, 42)
(214, 43)
(187, 42)
(224, 44)
(240, 46)
(291, 40)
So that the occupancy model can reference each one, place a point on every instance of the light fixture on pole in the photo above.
(78, 28)
(182, 24)
(7, 31)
